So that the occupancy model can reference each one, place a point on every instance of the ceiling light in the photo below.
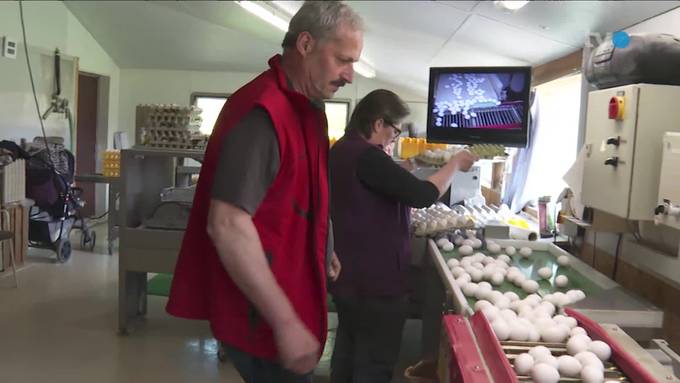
(265, 14)
(281, 22)
(512, 5)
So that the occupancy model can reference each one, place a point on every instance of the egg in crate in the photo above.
(525, 252)
(561, 281)
(523, 364)
(545, 272)
(563, 260)
(510, 250)
(544, 373)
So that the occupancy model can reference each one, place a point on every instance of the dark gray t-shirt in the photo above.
(248, 164)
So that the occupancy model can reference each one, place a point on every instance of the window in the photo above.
(212, 105)
(555, 150)
(337, 114)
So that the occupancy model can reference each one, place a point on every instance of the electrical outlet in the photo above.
(9, 48)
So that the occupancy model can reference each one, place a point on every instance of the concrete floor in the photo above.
(60, 325)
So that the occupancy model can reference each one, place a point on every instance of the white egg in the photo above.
(537, 351)
(555, 334)
(477, 243)
(501, 329)
(508, 315)
(468, 242)
(592, 374)
(458, 240)
(493, 248)
(453, 262)
(485, 285)
(497, 279)
(491, 313)
(523, 364)
(470, 289)
(504, 258)
(578, 331)
(562, 301)
(544, 373)
(516, 305)
(442, 241)
(478, 265)
(513, 297)
(569, 366)
(600, 349)
(533, 300)
(534, 335)
(495, 296)
(465, 250)
(482, 304)
(501, 266)
(561, 281)
(547, 307)
(587, 358)
(476, 274)
(510, 250)
(519, 332)
(563, 260)
(576, 295)
(571, 323)
(502, 303)
(525, 252)
(544, 272)
(448, 246)
(457, 271)
(488, 272)
(583, 337)
(530, 286)
(548, 359)
(463, 280)
(544, 322)
(519, 280)
(482, 293)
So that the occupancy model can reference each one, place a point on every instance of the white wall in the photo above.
(49, 25)
(139, 86)
(665, 264)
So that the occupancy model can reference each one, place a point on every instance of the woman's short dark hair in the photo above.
(380, 103)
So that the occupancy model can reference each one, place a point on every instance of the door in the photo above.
(86, 137)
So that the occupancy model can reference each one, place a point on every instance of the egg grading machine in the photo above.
(470, 352)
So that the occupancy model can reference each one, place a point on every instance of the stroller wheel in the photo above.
(63, 250)
(88, 240)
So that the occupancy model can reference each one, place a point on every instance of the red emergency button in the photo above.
(616, 108)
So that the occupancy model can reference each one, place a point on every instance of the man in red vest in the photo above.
(255, 254)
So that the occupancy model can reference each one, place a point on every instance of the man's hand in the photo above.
(298, 347)
(334, 271)
(464, 160)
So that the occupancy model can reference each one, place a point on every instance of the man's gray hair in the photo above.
(321, 19)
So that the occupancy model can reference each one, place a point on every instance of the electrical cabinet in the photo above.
(624, 131)
(668, 210)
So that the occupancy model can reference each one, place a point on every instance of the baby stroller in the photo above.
(49, 180)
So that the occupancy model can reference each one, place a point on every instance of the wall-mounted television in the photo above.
(479, 105)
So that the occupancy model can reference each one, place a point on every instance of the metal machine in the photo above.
(624, 131)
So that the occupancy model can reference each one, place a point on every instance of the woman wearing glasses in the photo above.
(371, 197)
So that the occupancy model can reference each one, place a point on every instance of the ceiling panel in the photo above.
(508, 41)
(403, 38)
(569, 22)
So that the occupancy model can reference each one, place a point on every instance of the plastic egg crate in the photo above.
(477, 356)
(436, 219)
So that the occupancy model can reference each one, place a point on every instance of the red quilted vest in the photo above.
(292, 222)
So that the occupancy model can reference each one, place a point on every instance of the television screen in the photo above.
(479, 105)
